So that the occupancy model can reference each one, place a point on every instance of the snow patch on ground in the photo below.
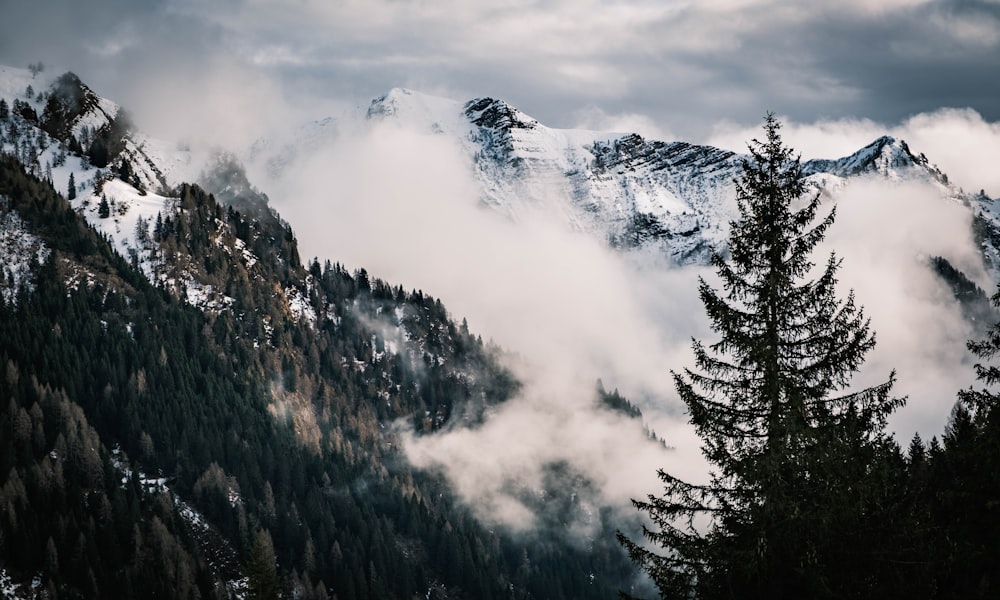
(19, 248)
(300, 307)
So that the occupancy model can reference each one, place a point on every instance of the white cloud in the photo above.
(886, 233)
(595, 119)
(404, 206)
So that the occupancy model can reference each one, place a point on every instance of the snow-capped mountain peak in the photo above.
(885, 156)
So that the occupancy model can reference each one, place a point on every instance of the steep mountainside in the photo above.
(186, 400)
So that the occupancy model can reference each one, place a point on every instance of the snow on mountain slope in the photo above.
(19, 248)
(61, 130)
(14, 81)
(635, 194)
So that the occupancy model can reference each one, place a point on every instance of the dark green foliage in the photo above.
(71, 188)
(25, 111)
(98, 153)
(262, 573)
(975, 304)
(70, 514)
(796, 476)
(966, 482)
(617, 402)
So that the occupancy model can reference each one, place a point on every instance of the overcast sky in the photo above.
(677, 69)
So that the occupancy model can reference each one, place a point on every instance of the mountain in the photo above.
(190, 410)
(631, 192)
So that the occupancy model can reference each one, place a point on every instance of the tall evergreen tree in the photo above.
(262, 574)
(104, 209)
(788, 446)
(71, 188)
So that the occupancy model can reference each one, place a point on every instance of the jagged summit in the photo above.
(497, 114)
(886, 156)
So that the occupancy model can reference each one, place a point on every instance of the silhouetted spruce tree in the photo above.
(791, 452)
(262, 574)
(71, 188)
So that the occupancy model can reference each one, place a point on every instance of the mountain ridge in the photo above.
(621, 187)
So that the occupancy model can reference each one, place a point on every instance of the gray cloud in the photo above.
(685, 66)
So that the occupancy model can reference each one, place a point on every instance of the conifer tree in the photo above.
(71, 188)
(262, 574)
(790, 448)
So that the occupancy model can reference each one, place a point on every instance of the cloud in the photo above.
(683, 65)
(886, 233)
